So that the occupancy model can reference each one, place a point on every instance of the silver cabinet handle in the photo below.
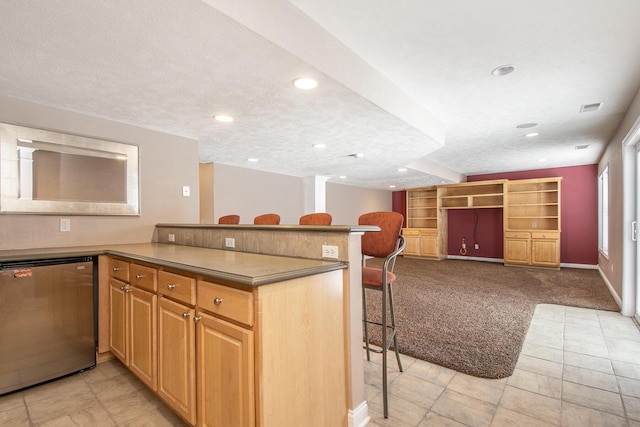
(171, 286)
(128, 290)
(116, 268)
(122, 288)
(197, 319)
(217, 301)
(186, 314)
(139, 276)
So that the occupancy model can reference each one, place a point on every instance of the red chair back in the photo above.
(267, 219)
(382, 243)
(318, 218)
(229, 219)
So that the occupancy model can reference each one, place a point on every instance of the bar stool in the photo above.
(318, 218)
(385, 244)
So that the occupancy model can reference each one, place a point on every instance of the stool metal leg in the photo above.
(366, 322)
(393, 327)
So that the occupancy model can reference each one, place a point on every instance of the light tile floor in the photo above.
(578, 367)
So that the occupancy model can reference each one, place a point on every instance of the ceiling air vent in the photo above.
(585, 108)
(581, 147)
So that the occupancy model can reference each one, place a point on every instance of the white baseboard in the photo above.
(611, 290)
(359, 417)
(585, 266)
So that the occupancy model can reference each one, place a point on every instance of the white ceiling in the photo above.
(406, 83)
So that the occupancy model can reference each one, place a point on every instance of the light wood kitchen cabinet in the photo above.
(176, 358)
(517, 248)
(133, 324)
(424, 243)
(225, 373)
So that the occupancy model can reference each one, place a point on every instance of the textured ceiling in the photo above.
(404, 83)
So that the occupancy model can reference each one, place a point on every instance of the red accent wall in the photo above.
(399, 204)
(579, 220)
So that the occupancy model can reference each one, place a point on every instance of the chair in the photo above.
(229, 219)
(385, 244)
(319, 218)
(267, 219)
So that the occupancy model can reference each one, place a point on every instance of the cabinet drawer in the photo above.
(517, 234)
(410, 232)
(178, 287)
(228, 302)
(119, 269)
(143, 277)
(544, 235)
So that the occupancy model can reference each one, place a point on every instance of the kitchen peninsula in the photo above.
(282, 316)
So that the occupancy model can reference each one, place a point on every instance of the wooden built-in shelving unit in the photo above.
(531, 212)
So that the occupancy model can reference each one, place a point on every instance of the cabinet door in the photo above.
(225, 374)
(517, 251)
(143, 316)
(545, 252)
(176, 358)
(118, 320)
(429, 245)
(413, 245)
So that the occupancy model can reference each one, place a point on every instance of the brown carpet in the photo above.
(473, 316)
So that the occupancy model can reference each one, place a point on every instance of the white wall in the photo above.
(612, 264)
(248, 193)
(167, 163)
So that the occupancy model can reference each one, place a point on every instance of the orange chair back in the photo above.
(267, 219)
(318, 218)
(229, 219)
(384, 242)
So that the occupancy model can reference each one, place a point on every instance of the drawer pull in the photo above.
(128, 290)
(139, 276)
(217, 301)
(186, 314)
(171, 286)
(197, 319)
(122, 288)
(116, 268)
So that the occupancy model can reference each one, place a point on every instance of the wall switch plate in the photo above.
(65, 224)
(186, 191)
(329, 252)
(229, 242)
(172, 237)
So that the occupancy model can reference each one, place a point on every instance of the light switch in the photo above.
(186, 191)
(65, 224)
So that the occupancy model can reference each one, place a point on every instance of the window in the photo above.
(603, 211)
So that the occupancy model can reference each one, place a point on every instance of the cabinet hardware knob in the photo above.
(197, 319)
(186, 314)
(139, 276)
(122, 288)
(171, 286)
(217, 301)
(128, 290)
(116, 268)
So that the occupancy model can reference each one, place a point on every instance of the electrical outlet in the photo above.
(329, 252)
(534, 224)
(65, 224)
(477, 246)
(186, 191)
(172, 237)
(229, 242)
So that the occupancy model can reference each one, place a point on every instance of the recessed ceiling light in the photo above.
(223, 118)
(503, 70)
(531, 134)
(392, 186)
(305, 83)
(319, 145)
(252, 159)
(402, 169)
(526, 125)
(343, 176)
(542, 160)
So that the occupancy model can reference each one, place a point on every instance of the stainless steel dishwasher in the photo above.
(47, 320)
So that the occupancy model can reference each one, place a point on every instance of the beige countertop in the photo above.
(238, 267)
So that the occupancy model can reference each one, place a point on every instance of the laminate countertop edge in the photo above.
(243, 268)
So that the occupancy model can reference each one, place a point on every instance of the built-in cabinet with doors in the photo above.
(194, 342)
(531, 212)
